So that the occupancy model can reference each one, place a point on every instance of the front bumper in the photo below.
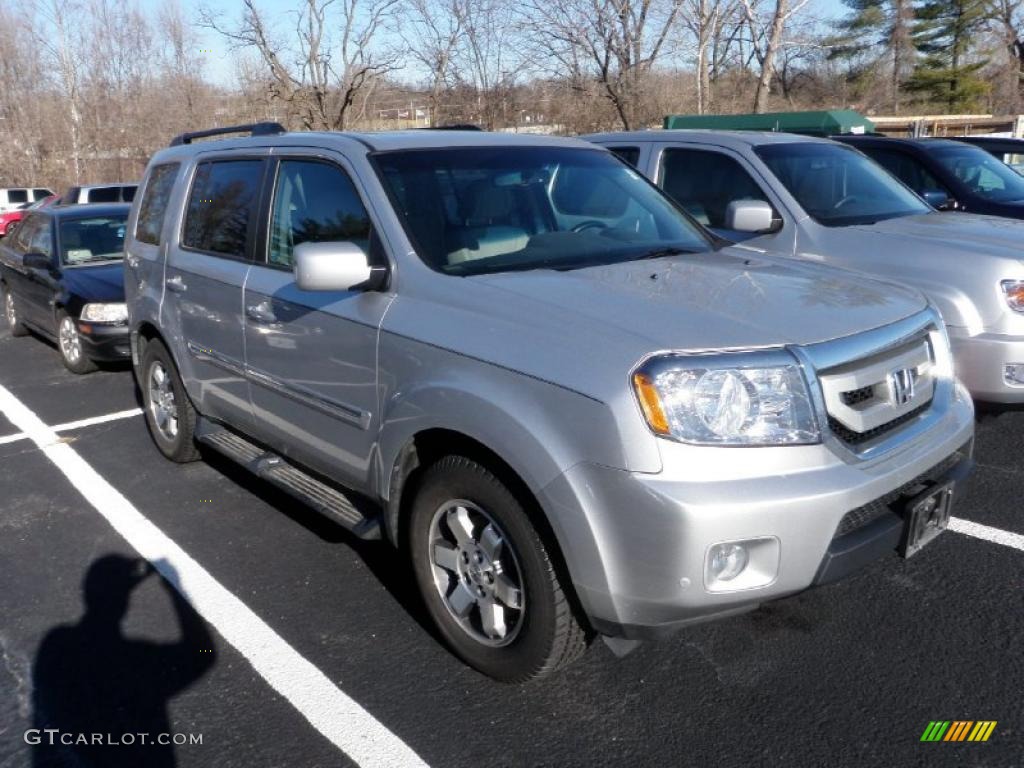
(980, 361)
(105, 343)
(636, 544)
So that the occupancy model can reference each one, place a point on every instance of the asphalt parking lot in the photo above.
(299, 645)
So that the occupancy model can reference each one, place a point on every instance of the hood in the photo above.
(727, 299)
(993, 235)
(101, 282)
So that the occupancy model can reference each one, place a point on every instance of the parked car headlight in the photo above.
(727, 399)
(104, 313)
(1013, 291)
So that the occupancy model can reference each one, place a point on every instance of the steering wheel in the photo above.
(583, 226)
(843, 201)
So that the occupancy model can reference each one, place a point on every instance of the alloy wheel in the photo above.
(162, 405)
(70, 341)
(476, 573)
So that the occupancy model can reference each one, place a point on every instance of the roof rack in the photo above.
(453, 127)
(253, 129)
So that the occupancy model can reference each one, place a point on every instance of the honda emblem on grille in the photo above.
(901, 382)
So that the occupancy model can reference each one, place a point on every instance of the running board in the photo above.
(323, 498)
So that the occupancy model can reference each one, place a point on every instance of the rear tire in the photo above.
(487, 577)
(169, 413)
(69, 343)
(12, 314)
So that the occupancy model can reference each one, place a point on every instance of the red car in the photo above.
(9, 220)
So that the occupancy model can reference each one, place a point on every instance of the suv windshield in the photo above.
(839, 186)
(497, 209)
(100, 238)
(983, 174)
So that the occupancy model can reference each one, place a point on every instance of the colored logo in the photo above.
(958, 730)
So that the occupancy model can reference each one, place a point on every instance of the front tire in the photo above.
(169, 413)
(487, 577)
(69, 342)
(12, 315)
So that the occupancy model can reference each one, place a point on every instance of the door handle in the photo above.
(132, 261)
(176, 284)
(261, 313)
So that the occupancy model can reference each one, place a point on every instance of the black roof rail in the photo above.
(253, 129)
(453, 127)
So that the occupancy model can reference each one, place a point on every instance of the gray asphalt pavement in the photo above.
(849, 674)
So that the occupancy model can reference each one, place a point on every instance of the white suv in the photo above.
(13, 198)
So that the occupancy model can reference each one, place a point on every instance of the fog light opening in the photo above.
(1013, 374)
(728, 561)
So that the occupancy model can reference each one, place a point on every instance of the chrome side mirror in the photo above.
(332, 266)
(749, 216)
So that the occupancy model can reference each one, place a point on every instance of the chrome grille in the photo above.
(870, 397)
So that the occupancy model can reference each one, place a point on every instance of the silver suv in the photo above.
(820, 200)
(572, 409)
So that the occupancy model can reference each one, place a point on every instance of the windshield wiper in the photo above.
(660, 253)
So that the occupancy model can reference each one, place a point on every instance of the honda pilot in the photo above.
(573, 410)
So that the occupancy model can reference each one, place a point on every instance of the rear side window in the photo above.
(104, 195)
(221, 205)
(154, 203)
(17, 195)
(630, 155)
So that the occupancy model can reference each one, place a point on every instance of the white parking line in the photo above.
(979, 531)
(340, 719)
(78, 424)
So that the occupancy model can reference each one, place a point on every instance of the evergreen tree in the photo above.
(878, 33)
(944, 33)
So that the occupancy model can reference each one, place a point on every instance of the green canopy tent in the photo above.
(822, 123)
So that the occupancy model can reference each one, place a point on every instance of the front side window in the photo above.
(22, 237)
(98, 238)
(128, 193)
(496, 209)
(909, 170)
(981, 173)
(704, 183)
(221, 205)
(838, 186)
(40, 194)
(154, 203)
(314, 202)
(42, 239)
(17, 196)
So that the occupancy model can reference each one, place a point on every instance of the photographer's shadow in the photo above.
(90, 681)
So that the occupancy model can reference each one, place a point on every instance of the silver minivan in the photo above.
(574, 411)
(819, 200)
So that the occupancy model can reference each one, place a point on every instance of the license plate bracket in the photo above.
(926, 516)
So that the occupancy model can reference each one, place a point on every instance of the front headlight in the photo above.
(1013, 292)
(104, 313)
(727, 399)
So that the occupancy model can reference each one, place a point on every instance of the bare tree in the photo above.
(707, 21)
(435, 30)
(59, 41)
(621, 40)
(1008, 24)
(331, 69)
(766, 34)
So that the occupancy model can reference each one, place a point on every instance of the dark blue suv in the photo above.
(951, 175)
